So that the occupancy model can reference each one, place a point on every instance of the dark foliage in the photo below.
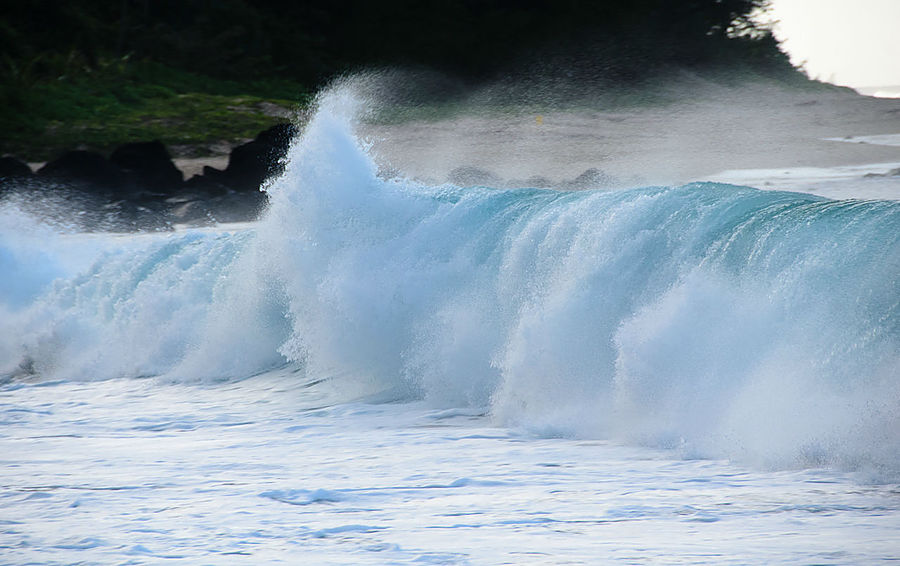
(313, 40)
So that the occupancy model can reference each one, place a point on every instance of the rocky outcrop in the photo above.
(88, 171)
(12, 173)
(139, 186)
(250, 164)
(10, 167)
(148, 166)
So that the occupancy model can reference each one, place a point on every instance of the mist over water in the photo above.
(675, 128)
(717, 320)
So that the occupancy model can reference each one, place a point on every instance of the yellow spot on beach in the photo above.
(539, 119)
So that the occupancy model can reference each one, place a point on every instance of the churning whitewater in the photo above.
(717, 320)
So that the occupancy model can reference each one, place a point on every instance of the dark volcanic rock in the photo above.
(253, 162)
(206, 184)
(150, 166)
(12, 167)
(238, 207)
(12, 173)
(233, 207)
(88, 171)
(278, 137)
(139, 187)
(213, 176)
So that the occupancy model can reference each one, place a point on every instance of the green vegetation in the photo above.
(119, 101)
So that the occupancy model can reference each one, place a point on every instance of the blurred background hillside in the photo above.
(202, 74)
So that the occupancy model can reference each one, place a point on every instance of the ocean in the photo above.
(383, 371)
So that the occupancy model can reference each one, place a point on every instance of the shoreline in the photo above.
(835, 143)
(719, 129)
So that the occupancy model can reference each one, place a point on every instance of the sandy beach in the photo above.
(762, 127)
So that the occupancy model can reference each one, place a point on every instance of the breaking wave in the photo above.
(723, 321)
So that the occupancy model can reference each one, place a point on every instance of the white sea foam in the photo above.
(250, 472)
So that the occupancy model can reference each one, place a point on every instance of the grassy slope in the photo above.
(123, 102)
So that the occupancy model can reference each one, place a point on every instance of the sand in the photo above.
(754, 127)
(191, 166)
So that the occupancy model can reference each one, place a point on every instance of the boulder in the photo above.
(12, 172)
(207, 184)
(250, 164)
(12, 167)
(88, 171)
(238, 207)
(150, 166)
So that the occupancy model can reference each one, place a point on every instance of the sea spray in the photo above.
(719, 320)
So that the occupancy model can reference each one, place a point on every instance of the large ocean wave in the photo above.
(723, 321)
